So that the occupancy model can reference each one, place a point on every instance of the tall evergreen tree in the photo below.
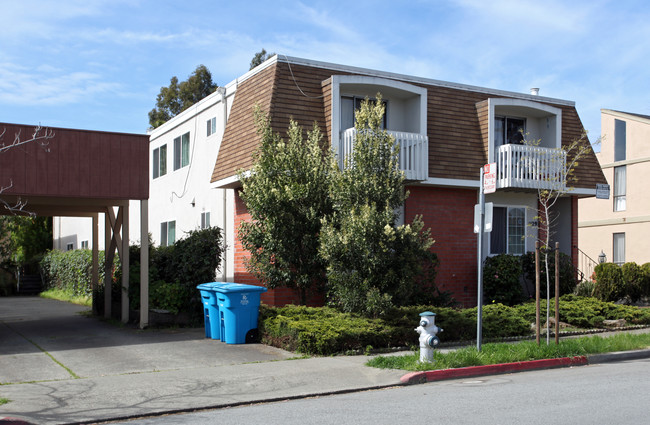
(286, 193)
(177, 97)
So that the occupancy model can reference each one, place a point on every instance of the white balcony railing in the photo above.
(413, 152)
(530, 167)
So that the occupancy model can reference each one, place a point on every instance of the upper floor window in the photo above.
(167, 233)
(205, 219)
(160, 161)
(351, 104)
(84, 244)
(508, 230)
(509, 131)
(620, 136)
(619, 188)
(212, 126)
(181, 151)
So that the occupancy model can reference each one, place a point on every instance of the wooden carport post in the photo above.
(124, 258)
(108, 265)
(95, 269)
(144, 263)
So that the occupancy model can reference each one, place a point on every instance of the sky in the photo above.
(99, 64)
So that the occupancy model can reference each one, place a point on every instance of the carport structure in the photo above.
(82, 173)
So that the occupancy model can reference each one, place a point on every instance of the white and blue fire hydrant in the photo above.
(428, 339)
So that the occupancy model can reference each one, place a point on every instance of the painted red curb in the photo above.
(495, 369)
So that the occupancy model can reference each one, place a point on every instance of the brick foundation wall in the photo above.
(450, 215)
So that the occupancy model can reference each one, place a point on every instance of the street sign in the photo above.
(490, 178)
(602, 191)
(487, 219)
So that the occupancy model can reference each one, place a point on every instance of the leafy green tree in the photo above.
(286, 193)
(372, 264)
(260, 57)
(30, 237)
(177, 97)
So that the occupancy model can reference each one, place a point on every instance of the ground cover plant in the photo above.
(497, 353)
(326, 331)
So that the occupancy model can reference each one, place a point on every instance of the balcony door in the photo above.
(509, 131)
(350, 104)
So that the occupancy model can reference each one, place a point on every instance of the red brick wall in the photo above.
(450, 215)
(275, 297)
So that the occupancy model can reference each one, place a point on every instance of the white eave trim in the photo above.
(231, 182)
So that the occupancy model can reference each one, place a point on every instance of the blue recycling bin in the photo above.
(238, 305)
(211, 316)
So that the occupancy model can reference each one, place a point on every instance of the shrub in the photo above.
(71, 271)
(633, 280)
(645, 286)
(585, 288)
(176, 270)
(609, 282)
(568, 281)
(502, 279)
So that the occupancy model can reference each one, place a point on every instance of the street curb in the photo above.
(619, 356)
(495, 369)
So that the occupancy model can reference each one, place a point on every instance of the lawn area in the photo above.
(497, 353)
(61, 295)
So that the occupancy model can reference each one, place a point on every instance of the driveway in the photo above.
(52, 340)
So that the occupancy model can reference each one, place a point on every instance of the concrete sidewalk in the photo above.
(63, 367)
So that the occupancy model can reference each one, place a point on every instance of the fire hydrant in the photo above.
(428, 339)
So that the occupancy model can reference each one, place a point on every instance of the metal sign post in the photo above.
(479, 314)
(488, 185)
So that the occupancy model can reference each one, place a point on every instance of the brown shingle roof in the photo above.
(457, 124)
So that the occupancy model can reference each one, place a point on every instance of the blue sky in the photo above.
(99, 64)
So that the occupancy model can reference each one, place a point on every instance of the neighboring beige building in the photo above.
(619, 226)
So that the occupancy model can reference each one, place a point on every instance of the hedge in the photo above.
(325, 331)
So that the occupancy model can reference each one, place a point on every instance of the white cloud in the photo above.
(48, 86)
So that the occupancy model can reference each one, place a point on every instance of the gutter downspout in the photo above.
(224, 103)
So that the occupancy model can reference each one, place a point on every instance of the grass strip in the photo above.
(4, 401)
(61, 295)
(497, 353)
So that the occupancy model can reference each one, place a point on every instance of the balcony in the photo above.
(530, 167)
(413, 152)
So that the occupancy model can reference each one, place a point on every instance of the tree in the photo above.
(286, 193)
(260, 57)
(372, 264)
(561, 172)
(29, 238)
(177, 97)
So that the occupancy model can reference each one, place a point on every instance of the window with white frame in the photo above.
(84, 244)
(160, 161)
(212, 126)
(205, 219)
(619, 248)
(509, 131)
(351, 104)
(167, 233)
(508, 230)
(181, 151)
(619, 188)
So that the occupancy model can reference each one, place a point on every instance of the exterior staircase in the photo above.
(30, 284)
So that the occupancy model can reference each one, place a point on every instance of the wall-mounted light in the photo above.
(602, 257)
(193, 202)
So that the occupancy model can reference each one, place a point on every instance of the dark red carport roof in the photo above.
(78, 170)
